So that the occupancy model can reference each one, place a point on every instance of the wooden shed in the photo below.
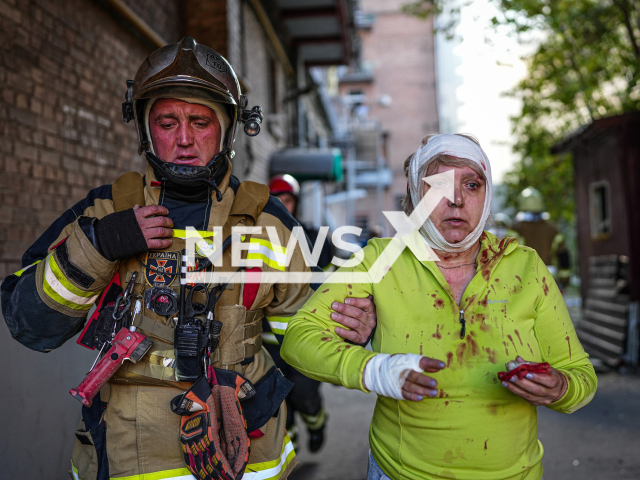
(606, 159)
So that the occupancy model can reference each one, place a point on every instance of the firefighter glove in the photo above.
(213, 431)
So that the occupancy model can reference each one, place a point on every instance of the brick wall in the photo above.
(63, 65)
(62, 80)
(165, 17)
(206, 21)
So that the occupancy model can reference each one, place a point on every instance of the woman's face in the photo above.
(456, 220)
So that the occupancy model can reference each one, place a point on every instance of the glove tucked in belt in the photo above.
(213, 430)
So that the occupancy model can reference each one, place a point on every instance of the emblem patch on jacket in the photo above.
(198, 274)
(162, 268)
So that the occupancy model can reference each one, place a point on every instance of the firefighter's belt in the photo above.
(240, 340)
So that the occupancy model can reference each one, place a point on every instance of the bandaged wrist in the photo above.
(385, 374)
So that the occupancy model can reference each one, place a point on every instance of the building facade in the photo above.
(393, 89)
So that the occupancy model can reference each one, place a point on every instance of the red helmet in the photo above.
(284, 184)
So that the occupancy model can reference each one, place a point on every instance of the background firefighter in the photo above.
(534, 225)
(186, 103)
(536, 230)
(304, 397)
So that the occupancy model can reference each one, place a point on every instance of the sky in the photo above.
(489, 64)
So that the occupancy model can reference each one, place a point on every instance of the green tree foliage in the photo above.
(586, 66)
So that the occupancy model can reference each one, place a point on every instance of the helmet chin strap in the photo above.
(189, 175)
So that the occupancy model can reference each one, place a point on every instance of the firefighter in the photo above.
(304, 397)
(501, 226)
(533, 224)
(287, 189)
(561, 260)
(128, 237)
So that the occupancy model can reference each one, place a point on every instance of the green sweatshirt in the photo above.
(475, 429)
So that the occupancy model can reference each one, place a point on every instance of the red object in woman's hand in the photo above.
(521, 370)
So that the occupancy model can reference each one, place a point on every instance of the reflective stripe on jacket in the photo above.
(255, 471)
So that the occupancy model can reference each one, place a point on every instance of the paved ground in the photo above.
(344, 456)
(599, 442)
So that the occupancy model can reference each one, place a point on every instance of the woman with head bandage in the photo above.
(454, 305)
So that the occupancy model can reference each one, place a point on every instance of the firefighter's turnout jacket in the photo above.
(63, 275)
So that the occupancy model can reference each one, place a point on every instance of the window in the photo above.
(355, 97)
(362, 221)
(600, 206)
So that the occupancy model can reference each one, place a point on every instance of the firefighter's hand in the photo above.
(359, 315)
(155, 226)
(417, 385)
(537, 388)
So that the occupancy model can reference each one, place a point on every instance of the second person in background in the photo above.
(305, 397)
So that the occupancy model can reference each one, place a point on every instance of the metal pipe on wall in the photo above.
(138, 23)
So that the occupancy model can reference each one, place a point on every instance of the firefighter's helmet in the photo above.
(198, 74)
(284, 184)
(530, 200)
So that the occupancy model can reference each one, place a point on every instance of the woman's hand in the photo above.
(417, 386)
(400, 376)
(359, 315)
(538, 389)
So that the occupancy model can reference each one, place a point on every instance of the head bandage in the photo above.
(454, 146)
(217, 109)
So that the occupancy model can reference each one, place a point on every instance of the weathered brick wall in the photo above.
(206, 21)
(165, 17)
(63, 65)
(62, 80)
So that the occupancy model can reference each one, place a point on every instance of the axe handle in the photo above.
(124, 347)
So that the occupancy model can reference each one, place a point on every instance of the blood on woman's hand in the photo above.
(535, 386)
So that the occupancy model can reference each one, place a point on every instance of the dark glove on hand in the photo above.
(115, 236)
